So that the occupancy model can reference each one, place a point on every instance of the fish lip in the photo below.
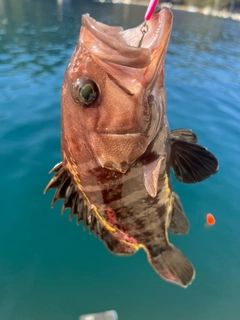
(113, 44)
(127, 134)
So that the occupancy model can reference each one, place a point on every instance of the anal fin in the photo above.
(179, 223)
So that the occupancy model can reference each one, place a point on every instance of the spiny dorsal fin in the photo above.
(179, 223)
(185, 135)
(192, 163)
(73, 199)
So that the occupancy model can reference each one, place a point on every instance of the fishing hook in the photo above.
(144, 30)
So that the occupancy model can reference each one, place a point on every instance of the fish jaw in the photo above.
(117, 129)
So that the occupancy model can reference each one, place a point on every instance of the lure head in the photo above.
(108, 119)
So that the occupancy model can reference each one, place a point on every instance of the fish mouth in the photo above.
(117, 50)
(124, 135)
(122, 47)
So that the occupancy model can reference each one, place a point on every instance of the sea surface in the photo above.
(52, 269)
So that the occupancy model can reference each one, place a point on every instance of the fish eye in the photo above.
(85, 92)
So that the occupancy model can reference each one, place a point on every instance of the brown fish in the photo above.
(117, 148)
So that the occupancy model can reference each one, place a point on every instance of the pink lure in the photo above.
(150, 9)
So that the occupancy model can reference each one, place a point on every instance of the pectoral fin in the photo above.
(179, 223)
(192, 163)
(185, 135)
(150, 175)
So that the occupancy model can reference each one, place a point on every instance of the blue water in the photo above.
(49, 267)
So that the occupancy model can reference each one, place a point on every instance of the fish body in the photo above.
(117, 147)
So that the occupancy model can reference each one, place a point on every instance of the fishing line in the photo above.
(148, 15)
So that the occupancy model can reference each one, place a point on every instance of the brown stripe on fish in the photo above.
(146, 225)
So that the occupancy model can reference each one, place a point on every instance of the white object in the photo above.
(107, 315)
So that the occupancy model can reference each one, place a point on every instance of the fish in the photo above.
(118, 149)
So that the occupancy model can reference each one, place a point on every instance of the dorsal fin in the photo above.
(73, 199)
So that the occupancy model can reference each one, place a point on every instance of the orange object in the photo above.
(210, 219)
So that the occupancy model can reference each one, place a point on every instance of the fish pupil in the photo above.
(87, 93)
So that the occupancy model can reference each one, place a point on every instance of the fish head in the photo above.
(109, 108)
